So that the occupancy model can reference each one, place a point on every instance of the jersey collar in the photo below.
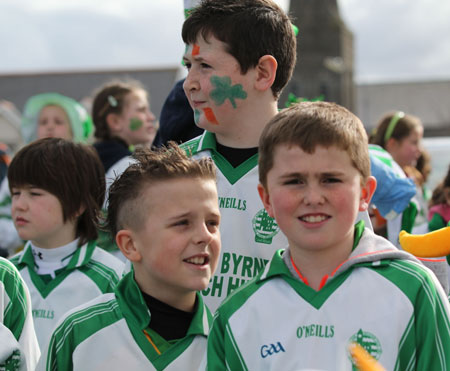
(135, 310)
(80, 258)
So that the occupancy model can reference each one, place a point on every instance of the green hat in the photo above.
(80, 121)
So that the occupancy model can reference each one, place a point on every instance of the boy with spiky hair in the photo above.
(57, 189)
(337, 282)
(163, 211)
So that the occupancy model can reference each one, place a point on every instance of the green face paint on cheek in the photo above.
(196, 116)
(135, 124)
(225, 90)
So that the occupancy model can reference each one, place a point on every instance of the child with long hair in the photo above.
(57, 189)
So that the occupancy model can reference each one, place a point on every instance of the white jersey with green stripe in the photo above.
(108, 334)
(91, 271)
(381, 298)
(19, 348)
(249, 235)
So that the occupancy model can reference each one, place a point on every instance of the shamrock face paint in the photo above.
(135, 124)
(136, 120)
(197, 114)
(216, 88)
(225, 90)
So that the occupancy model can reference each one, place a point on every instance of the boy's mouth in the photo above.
(314, 218)
(198, 260)
(21, 221)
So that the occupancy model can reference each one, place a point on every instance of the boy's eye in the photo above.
(331, 180)
(293, 181)
(204, 65)
(213, 223)
(181, 222)
(187, 65)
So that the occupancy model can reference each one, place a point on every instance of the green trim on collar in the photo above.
(81, 257)
(131, 301)
(359, 230)
(315, 298)
(232, 174)
(137, 316)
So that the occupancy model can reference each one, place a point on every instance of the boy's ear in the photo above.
(266, 71)
(367, 191)
(125, 242)
(265, 198)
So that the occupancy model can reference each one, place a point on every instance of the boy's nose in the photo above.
(150, 116)
(313, 196)
(190, 83)
(19, 202)
(202, 234)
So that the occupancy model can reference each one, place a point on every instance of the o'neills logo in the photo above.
(265, 227)
(315, 330)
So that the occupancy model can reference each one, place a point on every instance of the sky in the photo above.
(395, 40)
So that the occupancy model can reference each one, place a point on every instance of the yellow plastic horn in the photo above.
(429, 245)
(363, 360)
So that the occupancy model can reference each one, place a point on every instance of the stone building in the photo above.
(324, 53)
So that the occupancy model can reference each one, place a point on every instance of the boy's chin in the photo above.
(200, 284)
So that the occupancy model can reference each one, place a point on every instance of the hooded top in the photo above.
(380, 297)
(80, 120)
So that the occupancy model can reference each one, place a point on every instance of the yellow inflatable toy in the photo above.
(429, 245)
(363, 360)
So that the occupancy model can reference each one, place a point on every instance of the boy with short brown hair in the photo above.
(336, 283)
(164, 213)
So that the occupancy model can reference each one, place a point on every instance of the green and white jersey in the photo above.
(249, 235)
(381, 298)
(19, 348)
(109, 333)
(90, 272)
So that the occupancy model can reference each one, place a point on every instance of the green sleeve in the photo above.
(15, 312)
(216, 352)
(409, 217)
(59, 359)
(436, 222)
(431, 323)
(433, 317)
(223, 352)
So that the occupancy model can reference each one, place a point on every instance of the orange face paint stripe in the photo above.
(209, 114)
(195, 50)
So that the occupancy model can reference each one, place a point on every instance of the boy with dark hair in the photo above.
(164, 213)
(240, 54)
(57, 189)
(337, 283)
